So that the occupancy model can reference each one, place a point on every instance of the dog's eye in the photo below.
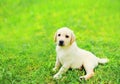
(59, 34)
(67, 36)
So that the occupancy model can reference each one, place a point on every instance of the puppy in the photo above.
(70, 56)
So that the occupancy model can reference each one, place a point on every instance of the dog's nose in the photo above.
(61, 42)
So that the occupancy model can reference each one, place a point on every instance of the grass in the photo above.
(27, 49)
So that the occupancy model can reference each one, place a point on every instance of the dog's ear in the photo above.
(55, 37)
(72, 38)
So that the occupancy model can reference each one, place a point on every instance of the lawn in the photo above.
(27, 49)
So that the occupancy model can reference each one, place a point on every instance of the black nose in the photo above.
(61, 42)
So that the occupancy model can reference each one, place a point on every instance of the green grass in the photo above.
(27, 49)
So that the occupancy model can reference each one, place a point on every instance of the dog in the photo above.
(69, 55)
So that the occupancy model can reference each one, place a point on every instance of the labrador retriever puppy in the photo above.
(69, 55)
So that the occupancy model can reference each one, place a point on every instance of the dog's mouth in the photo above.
(61, 44)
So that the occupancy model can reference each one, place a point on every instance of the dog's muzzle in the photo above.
(61, 43)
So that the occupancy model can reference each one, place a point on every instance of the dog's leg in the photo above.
(57, 65)
(89, 72)
(62, 70)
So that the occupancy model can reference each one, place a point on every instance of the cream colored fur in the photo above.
(69, 55)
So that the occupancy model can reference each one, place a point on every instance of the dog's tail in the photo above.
(103, 60)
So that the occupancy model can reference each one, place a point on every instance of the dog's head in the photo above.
(64, 37)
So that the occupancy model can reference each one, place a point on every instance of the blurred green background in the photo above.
(27, 49)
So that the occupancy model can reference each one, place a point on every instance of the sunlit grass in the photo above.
(27, 49)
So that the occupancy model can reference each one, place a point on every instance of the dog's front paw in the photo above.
(57, 76)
